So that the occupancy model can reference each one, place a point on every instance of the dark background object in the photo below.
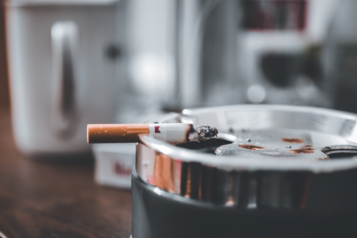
(311, 64)
(274, 14)
(113, 52)
(280, 68)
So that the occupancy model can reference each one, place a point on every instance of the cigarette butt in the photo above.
(115, 133)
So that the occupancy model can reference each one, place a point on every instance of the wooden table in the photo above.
(39, 199)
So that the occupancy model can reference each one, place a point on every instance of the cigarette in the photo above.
(173, 133)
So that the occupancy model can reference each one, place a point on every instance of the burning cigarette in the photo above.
(174, 133)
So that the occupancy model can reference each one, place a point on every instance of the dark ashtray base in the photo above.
(161, 214)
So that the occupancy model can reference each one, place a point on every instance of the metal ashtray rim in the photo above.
(249, 164)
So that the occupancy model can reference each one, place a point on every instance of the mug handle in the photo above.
(63, 38)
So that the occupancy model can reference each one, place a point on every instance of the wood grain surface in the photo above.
(43, 199)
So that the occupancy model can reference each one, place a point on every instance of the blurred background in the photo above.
(70, 63)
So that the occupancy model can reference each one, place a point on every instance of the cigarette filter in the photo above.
(174, 133)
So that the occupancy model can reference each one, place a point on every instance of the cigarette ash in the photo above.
(202, 133)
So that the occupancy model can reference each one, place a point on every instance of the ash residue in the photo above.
(203, 133)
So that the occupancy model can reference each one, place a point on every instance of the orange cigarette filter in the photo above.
(115, 133)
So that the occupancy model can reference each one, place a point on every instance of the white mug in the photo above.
(60, 78)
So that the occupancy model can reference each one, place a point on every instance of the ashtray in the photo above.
(273, 171)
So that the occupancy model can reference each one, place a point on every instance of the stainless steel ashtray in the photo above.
(277, 171)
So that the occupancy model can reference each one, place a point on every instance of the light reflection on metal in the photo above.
(157, 191)
(231, 188)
